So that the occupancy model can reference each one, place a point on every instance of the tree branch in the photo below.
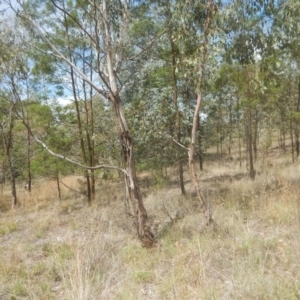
(102, 166)
(58, 54)
(179, 144)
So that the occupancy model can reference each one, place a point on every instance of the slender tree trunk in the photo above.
(191, 153)
(230, 128)
(250, 143)
(7, 142)
(2, 176)
(58, 185)
(2, 179)
(175, 98)
(29, 177)
(181, 179)
(249, 131)
(201, 156)
(82, 145)
(255, 139)
(297, 123)
(12, 181)
(292, 141)
(89, 132)
(141, 219)
(239, 130)
(79, 121)
(92, 153)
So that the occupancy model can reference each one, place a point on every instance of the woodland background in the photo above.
(195, 105)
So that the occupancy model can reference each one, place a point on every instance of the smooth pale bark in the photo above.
(211, 9)
(107, 67)
(200, 154)
(192, 165)
(141, 219)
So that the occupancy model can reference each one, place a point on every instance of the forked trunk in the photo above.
(141, 219)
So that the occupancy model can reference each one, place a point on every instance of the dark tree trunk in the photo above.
(13, 182)
(292, 141)
(79, 121)
(89, 132)
(239, 130)
(181, 179)
(29, 177)
(250, 143)
(230, 128)
(175, 99)
(7, 142)
(82, 145)
(297, 123)
(58, 185)
(255, 138)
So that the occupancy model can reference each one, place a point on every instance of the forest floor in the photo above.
(65, 249)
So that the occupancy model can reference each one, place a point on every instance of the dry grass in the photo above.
(52, 249)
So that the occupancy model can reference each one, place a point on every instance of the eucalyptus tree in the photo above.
(173, 52)
(45, 122)
(11, 68)
(156, 107)
(6, 129)
(81, 92)
(247, 46)
(194, 38)
(286, 30)
(103, 25)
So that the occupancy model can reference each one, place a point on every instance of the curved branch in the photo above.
(102, 166)
(179, 144)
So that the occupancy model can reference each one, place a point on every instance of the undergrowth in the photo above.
(64, 249)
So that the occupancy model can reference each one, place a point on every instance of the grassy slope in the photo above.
(66, 250)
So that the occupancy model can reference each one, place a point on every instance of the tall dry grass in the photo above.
(67, 250)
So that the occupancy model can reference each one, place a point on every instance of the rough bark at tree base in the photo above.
(144, 232)
(204, 205)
